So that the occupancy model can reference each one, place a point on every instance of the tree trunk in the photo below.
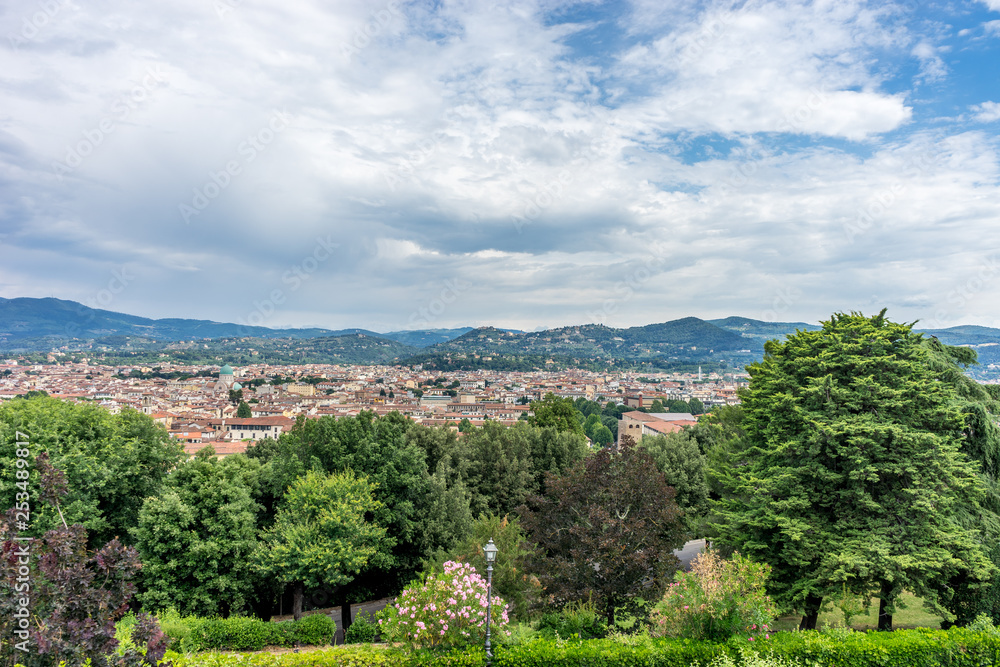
(813, 603)
(884, 618)
(345, 609)
(298, 593)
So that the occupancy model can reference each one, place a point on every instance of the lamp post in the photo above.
(490, 551)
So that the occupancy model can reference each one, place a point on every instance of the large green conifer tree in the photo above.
(853, 472)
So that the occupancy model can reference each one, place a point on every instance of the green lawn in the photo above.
(914, 616)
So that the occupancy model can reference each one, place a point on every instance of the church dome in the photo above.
(226, 370)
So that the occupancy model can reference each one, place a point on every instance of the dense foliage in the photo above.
(852, 470)
(111, 462)
(716, 600)
(605, 531)
(197, 537)
(323, 535)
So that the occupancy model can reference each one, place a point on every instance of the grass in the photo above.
(913, 616)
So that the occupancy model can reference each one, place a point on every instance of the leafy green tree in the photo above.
(683, 466)
(964, 596)
(418, 507)
(657, 406)
(602, 436)
(696, 407)
(321, 537)
(592, 422)
(605, 530)
(853, 471)
(721, 438)
(677, 405)
(109, 461)
(559, 413)
(465, 425)
(244, 411)
(196, 539)
(502, 466)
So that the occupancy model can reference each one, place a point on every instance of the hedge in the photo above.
(240, 633)
(957, 647)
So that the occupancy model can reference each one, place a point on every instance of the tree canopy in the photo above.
(605, 530)
(852, 469)
(322, 536)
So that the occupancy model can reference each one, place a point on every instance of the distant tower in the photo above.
(699, 372)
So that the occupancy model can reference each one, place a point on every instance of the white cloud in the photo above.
(987, 112)
(773, 67)
(932, 67)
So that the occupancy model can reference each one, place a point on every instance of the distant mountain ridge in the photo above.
(41, 325)
(27, 318)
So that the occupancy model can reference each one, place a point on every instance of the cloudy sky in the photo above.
(530, 163)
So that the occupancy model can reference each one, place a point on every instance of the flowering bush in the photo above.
(717, 599)
(444, 609)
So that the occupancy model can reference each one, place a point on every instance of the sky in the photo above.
(525, 164)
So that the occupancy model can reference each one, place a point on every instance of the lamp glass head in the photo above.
(490, 551)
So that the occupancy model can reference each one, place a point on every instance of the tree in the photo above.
(603, 436)
(111, 462)
(559, 413)
(605, 531)
(657, 407)
(243, 411)
(696, 406)
(196, 539)
(502, 466)
(321, 537)
(852, 471)
(235, 396)
(683, 466)
(963, 596)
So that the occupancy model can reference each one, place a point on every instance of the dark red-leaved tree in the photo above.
(605, 531)
(75, 596)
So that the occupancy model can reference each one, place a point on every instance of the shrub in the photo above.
(362, 631)
(715, 600)
(446, 608)
(316, 630)
(579, 620)
(237, 633)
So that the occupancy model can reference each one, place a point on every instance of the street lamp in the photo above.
(490, 551)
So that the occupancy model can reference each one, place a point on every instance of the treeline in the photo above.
(197, 524)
